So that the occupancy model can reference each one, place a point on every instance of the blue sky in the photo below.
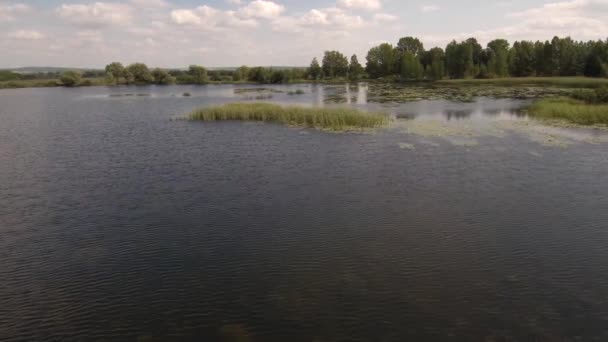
(175, 33)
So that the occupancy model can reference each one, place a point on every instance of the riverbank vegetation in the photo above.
(335, 119)
(570, 110)
(583, 107)
(560, 61)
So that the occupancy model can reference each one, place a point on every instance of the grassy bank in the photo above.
(48, 83)
(570, 110)
(335, 119)
(568, 82)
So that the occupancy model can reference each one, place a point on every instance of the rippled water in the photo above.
(467, 223)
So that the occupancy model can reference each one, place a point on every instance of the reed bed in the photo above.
(334, 119)
(570, 110)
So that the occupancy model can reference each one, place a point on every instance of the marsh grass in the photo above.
(334, 119)
(48, 83)
(296, 92)
(570, 110)
(569, 82)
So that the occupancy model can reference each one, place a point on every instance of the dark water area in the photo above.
(461, 222)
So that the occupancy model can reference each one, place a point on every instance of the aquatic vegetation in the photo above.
(256, 90)
(296, 92)
(406, 146)
(387, 93)
(335, 119)
(573, 82)
(597, 95)
(570, 110)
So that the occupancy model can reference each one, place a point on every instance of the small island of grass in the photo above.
(334, 119)
(570, 110)
(583, 107)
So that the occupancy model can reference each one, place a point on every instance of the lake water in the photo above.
(460, 222)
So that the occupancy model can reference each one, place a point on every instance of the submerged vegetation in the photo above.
(570, 110)
(335, 119)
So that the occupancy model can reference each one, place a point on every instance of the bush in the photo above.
(70, 78)
(598, 95)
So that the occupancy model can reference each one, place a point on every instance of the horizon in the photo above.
(216, 33)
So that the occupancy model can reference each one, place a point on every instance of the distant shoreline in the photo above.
(566, 82)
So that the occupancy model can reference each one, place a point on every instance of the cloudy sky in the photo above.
(175, 33)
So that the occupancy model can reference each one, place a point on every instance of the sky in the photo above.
(216, 33)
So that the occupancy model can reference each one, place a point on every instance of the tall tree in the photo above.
(411, 68)
(411, 45)
(198, 74)
(162, 77)
(335, 64)
(140, 73)
(522, 59)
(355, 69)
(315, 70)
(114, 72)
(498, 64)
(380, 61)
(459, 60)
(435, 67)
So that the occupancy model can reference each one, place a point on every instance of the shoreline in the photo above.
(565, 82)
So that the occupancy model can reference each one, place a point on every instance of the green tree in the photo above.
(240, 74)
(315, 70)
(477, 51)
(198, 74)
(355, 69)
(162, 77)
(114, 72)
(380, 61)
(411, 69)
(140, 73)
(498, 64)
(522, 59)
(129, 78)
(260, 75)
(70, 78)
(459, 60)
(411, 45)
(435, 68)
(280, 76)
(335, 64)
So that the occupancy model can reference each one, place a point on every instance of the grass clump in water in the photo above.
(335, 119)
(296, 92)
(570, 110)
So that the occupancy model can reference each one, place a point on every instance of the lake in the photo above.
(462, 221)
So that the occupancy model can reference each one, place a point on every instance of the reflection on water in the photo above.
(463, 222)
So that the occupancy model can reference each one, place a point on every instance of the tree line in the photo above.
(408, 60)
(139, 73)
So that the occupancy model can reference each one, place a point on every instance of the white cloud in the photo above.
(261, 9)
(361, 4)
(429, 8)
(26, 35)
(385, 17)
(150, 3)
(8, 12)
(319, 19)
(580, 19)
(209, 18)
(185, 17)
(96, 14)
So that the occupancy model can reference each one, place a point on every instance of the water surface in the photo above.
(460, 222)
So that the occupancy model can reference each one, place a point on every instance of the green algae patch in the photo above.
(334, 119)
